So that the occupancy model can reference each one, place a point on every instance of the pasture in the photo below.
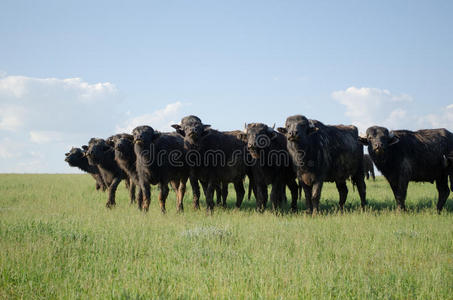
(57, 240)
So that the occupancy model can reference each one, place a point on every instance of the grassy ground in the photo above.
(58, 241)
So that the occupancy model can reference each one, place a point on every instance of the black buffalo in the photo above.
(76, 158)
(216, 158)
(270, 165)
(126, 159)
(324, 153)
(403, 156)
(101, 154)
(368, 167)
(160, 160)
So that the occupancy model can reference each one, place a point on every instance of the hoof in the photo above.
(110, 205)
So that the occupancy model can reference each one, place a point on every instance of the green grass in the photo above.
(57, 240)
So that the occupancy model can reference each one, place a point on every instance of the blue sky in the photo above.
(70, 70)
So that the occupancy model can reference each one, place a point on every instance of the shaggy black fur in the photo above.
(324, 153)
(271, 165)
(223, 166)
(126, 160)
(156, 165)
(101, 154)
(403, 156)
(76, 158)
(368, 167)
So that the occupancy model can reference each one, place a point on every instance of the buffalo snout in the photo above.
(378, 148)
(292, 136)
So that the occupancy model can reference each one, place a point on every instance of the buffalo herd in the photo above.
(302, 155)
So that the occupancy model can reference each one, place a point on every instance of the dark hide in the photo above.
(76, 158)
(102, 155)
(404, 156)
(368, 167)
(271, 165)
(156, 164)
(324, 153)
(126, 160)
(208, 145)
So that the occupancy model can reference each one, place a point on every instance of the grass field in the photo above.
(57, 240)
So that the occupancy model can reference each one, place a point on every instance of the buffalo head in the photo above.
(378, 139)
(297, 128)
(124, 147)
(192, 129)
(144, 135)
(75, 157)
(258, 137)
(97, 151)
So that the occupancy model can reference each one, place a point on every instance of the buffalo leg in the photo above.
(343, 191)
(361, 187)
(209, 192)
(282, 196)
(372, 174)
(132, 192)
(316, 195)
(261, 196)
(399, 189)
(112, 190)
(195, 191)
(140, 198)
(294, 188)
(127, 183)
(180, 194)
(442, 188)
(146, 190)
(308, 191)
(218, 194)
(163, 194)
(225, 194)
(275, 194)
(204, 186)
(240, 192)
(174, 186)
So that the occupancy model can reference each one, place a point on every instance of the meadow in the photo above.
(57, 240)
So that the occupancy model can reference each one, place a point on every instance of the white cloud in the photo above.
(43, 137)
(41, 118)
(160, 119)
(12, 117)
(371, 106)
(5, 150)
(443, 119)
(49, 103)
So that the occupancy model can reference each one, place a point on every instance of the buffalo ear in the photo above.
(393, 141)
(363, 140)
(178, 129)
(85, 147)
(312, 130)
(282, 130)
(242, 136)
(206, 130)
